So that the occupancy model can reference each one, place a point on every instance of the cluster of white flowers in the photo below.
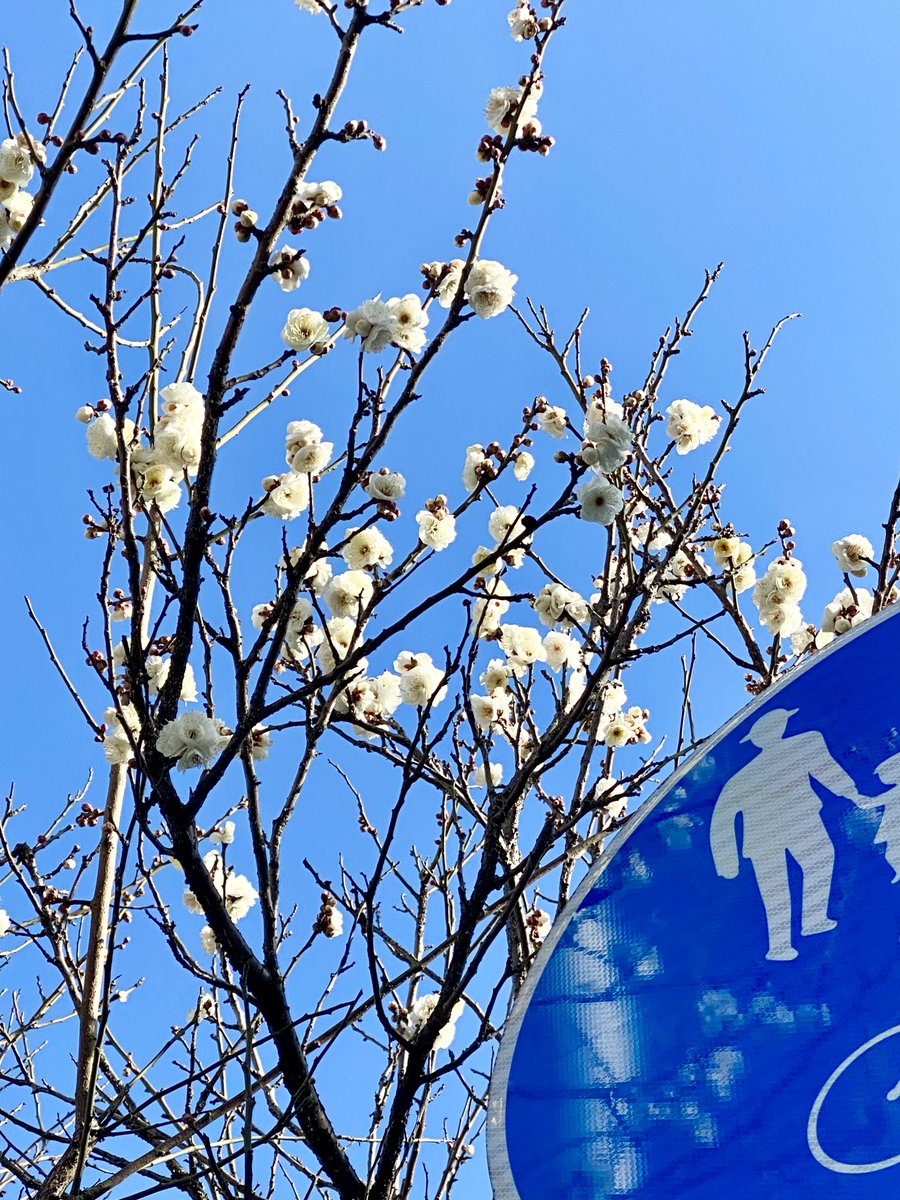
(410, 1022)
(305, 329)
(160, 466)
(289, 267)
(157, 667)
(302, 637)
(690, 425)
(193, 738)
(523, 22)
(559, 605)
(237, 892)
(176, 444)
(378, 324)
(501, 107)
(489, 286)
(4, 922)
(625, 728)
(421, 682)
(305, 452)
(854, 554)
(437, 524)
(370, 701)
(736, 559)
(777, 595)
(18, 158)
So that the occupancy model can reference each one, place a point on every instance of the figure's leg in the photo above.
(816, 860)
(775, 890)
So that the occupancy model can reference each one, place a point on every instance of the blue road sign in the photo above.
(717, 1011)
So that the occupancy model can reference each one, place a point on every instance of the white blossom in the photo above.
(237, 892)
(102, 442)
(420, 681)
(690, 425)
(489, 288)
(523, 465)
(339, 635)
(552, 420)
(368, 548)
(385, 485)
(437, 526)
(478, 778)
(449, 285)
(853, 553)
(116, 742)
(784, 582)
(495, 675)
(287, 495)
(348, 594)
(488, 610)
(421, 1009)
(523, 22)
(539, 924)
(16, 161)
(223, 835)
(159, 485)
(846, 610)
(523, 647)
(206, 1009)
(208, 941)
(609, 439)
(4, 922)
(502, 104)
(601, 501)
(310, 6)
(158, 672)
(556, 604)
(18, 208)
(319, 195)
(475, 459)
(305, 329)
(410, 321)
(374, 323)
(193, 738)
(290, 268)
(561, 650)
(492, 710)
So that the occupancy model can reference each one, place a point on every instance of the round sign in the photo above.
(717, 1011)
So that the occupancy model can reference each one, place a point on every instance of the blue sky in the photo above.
(686, 134)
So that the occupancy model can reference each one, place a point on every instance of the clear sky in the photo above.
(759, 134)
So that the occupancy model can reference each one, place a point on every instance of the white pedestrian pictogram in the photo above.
(781, 816)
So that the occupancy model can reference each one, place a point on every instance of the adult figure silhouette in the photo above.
(782, 816)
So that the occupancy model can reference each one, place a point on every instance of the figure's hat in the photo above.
(769, 721)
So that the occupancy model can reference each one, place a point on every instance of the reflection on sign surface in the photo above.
(718, 1009)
